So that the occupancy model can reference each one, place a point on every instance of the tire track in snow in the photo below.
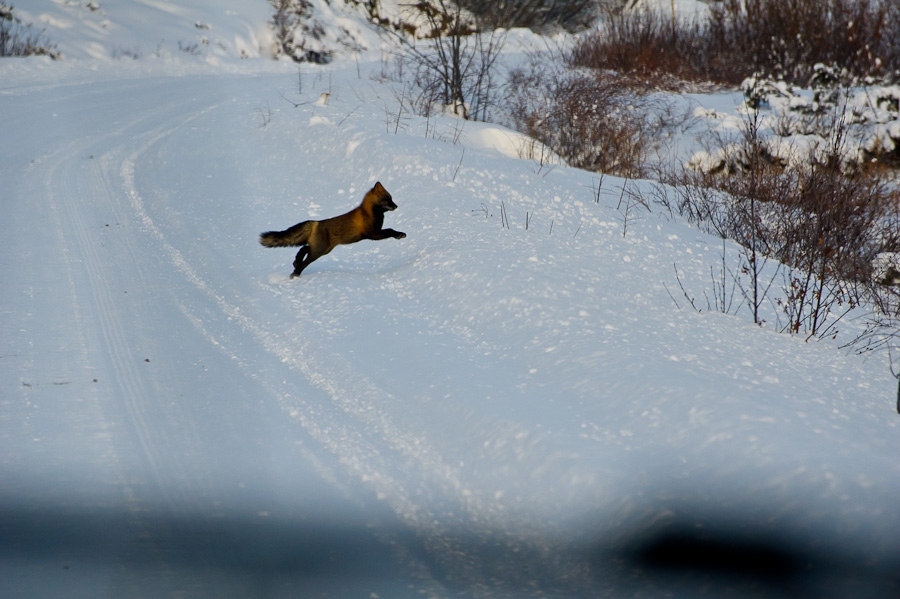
(74, 182)
(66, 310)
(121, 359)
(76, 185)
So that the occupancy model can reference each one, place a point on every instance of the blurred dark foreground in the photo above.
(46, 552)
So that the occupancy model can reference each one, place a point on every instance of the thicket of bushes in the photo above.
(795, 42)
(781, 38)
(825, 225)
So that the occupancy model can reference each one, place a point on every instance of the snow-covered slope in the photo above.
(213, 29)
(484, 408)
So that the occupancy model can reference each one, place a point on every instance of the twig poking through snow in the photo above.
(459, 165)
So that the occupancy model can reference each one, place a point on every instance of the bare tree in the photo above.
(455, 61)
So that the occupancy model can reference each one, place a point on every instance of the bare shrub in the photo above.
(839, 226)
(882, 330)
(22, 39)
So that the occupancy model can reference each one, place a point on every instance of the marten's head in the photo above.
(379, 199)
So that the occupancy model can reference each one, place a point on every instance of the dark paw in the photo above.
(294, 275)
(399, 235)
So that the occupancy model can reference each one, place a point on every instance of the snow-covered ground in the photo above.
(483, 408)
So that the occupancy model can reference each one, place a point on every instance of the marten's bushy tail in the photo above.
(293, 237)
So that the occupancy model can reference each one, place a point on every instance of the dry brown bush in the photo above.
(594, 120)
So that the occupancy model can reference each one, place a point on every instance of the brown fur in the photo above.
(318, 237)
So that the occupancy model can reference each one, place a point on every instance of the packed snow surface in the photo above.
(483, 408)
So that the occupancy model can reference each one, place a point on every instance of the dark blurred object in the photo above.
(733, 558)
(691, 559)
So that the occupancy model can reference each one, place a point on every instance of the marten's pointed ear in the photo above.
(378, 187)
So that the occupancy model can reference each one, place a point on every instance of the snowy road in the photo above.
(153, 410)
(116, 414)
(461, 411)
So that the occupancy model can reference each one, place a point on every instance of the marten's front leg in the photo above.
(385, 233)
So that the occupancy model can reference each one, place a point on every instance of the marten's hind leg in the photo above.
(299, 263)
